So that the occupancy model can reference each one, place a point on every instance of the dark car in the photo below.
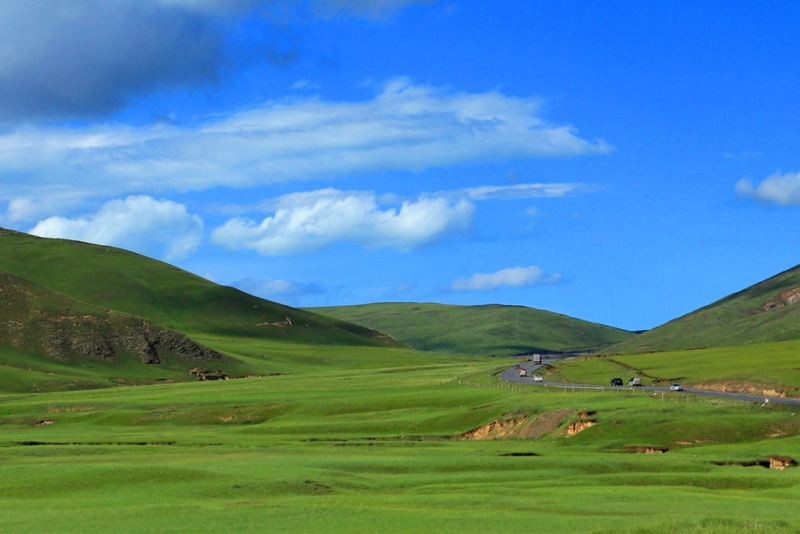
(616, 381)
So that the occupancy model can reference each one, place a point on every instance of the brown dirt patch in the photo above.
(523, 426)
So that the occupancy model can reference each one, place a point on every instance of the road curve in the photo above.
(512, 375)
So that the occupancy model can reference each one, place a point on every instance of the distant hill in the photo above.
(485, 330)
(763, 313)
(121, 281)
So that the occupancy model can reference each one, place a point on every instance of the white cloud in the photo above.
(138, 223)
(306, 222)
(780, 189)
(519, 191)
(511, 277)
(405, 127)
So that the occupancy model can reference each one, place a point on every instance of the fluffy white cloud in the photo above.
(138, 223)
(780, 189)
(305, 222)
(511, 277)
(404, 127)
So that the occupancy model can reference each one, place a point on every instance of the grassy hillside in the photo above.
(114, 279)
(486, 330)
(766, 312)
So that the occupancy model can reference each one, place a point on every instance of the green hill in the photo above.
(486, 330)
(41, 321)
(115, 279)
(763, 313)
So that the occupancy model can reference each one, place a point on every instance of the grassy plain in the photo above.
(368, 440)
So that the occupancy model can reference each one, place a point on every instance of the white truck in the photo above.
(522, 373)
(537, 359)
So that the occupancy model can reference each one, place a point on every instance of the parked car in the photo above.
(616, 382)
(635, 382)
(675, 387)
(538, 378)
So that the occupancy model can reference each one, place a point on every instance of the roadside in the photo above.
(512, 375)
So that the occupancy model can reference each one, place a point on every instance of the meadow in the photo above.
(366, 440)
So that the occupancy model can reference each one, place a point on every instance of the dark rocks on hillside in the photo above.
(35, 319)
(108, 336)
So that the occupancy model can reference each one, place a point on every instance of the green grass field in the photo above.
(368, 440)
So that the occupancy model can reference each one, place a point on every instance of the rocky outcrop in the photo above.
(586, 420)
(790, 296)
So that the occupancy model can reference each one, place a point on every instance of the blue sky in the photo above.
(623, 163)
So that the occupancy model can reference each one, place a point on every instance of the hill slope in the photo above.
(763, 313)
(41, 321)
(485, 330)
(115, 279)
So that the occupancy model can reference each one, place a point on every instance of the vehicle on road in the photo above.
(635, 382)
(538, 378)
(537, 359)
(675, 387)
(523, 372)
(616, 382)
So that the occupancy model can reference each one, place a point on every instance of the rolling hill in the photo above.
(114, 279)
(485, 330)
(763, 313)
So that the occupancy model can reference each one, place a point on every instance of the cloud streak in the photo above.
(405, 127)
(511, 277)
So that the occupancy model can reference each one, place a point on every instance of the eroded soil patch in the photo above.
(772, 462)
(522, 426)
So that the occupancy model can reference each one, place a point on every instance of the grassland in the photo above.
(368, 441)
(484, 330)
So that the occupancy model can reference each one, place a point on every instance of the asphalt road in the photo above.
(512, 375)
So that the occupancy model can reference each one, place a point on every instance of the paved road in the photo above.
(512, 375)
